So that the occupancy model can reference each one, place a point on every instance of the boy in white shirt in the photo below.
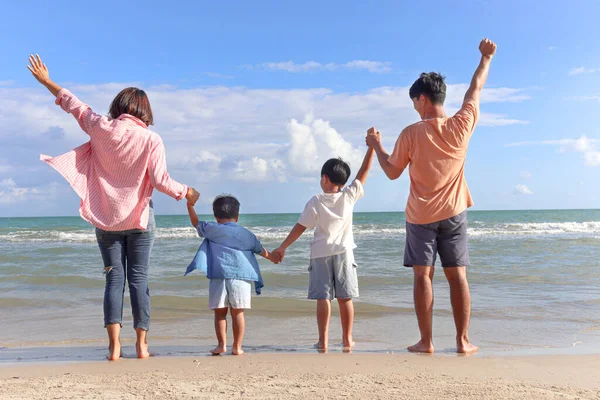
(332, 270)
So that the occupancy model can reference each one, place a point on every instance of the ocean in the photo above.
(535, 285)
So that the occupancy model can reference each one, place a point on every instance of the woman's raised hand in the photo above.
(38, 69)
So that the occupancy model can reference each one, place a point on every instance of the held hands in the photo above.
(373, 138)
(38, 69)
(274, 258)
(487, 48)
(279, 254)
(192, 196)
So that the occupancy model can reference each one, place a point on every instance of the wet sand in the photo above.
(309, 376)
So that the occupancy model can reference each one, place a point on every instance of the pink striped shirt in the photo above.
(115, 172)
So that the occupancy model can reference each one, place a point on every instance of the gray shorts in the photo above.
(333, 277)
(447, 237)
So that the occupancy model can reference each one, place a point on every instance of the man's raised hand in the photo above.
(487, 48)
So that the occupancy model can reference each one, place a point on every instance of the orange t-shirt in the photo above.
(436, 150)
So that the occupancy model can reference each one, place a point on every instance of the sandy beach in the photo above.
(310, 376)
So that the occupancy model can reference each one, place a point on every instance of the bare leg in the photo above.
(114, 343)
(239, 327)
(423, 297)
(141, 344)
(347, 317)
(221, 331)
(323, 315)
(460, 297)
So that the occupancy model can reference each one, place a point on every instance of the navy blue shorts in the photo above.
(447, 237)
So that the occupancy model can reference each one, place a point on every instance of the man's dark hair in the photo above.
(226, 206)
(132, 101)
(337, 170)
(430, 85)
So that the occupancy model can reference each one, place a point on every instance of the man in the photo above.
(436, 219)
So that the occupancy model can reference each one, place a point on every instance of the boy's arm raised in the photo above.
(294, 234)
(363, 172)
(192, 214)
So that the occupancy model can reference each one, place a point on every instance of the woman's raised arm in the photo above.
(83, 113)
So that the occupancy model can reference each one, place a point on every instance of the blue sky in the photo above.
(251, 97)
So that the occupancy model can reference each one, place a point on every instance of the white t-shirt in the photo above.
(331, 215)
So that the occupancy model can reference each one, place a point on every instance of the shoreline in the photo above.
(310, 376)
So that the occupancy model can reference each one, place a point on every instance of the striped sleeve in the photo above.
(160, 178)
(84, 115)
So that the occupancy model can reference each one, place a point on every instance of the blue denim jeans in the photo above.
(126, 256)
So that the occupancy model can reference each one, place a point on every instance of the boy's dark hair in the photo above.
(430, 85)
(132, 101)
(337, 170)
(225, 206)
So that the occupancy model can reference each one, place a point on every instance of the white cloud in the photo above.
(7, 83)
(258, 169)
(583, 145)
(522, 189)
(552, 48)
(525, 174)
(586, 98)
(11, 193)
(7, 183)
(314, 141)
(583, 70)
(218, 76)
(309, 66)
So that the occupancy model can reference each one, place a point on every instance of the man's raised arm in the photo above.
(487, 49)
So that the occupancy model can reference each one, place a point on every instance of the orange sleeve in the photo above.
(400, 156)
(467, 117)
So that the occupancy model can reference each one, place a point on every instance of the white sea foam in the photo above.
(589, 229)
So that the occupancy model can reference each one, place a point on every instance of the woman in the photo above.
(114, 175)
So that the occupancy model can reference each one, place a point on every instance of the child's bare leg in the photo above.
(323, 315)
(239, 327)
(114, 344)
(220, 330)
(347, 317)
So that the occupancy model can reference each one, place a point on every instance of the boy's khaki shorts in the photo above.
(333, 277)
(225, 293)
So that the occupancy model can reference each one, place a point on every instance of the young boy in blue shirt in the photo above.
(227, 256)
(332, 270)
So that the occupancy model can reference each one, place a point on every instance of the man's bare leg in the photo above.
(460, 297)
(141, 344)
(220, 330)
(423, 297)
(323, 315)
(114, 343)
(239, 327)
(347, 318)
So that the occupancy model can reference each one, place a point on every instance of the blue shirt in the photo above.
(228, 252)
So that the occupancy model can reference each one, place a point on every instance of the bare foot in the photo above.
(114, 352)
(421, 348)
(237, 351)
(321, 348)
(347, 347)
(142, 350)
(217, 351)
(466, 348)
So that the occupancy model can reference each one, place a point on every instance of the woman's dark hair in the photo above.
(226, 206)
(337, 170)
(132, 101)
(430, 85)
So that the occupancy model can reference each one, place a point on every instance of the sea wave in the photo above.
(589, 229)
